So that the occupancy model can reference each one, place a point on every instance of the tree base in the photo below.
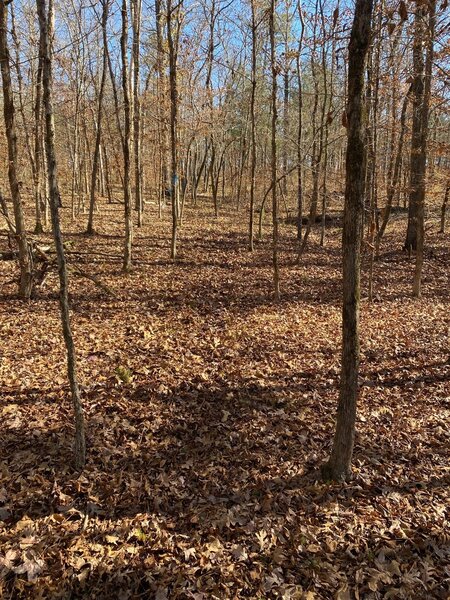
(336, 473)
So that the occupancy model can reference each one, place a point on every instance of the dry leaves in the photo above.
(209, 410)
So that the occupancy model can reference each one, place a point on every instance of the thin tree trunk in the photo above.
(339, 464)
(139, 205)
(417, 157)
(419, 165)
(38, 149)
(46, 27)
(300, 129)
(274, 68)
(444, 207)
(162, 101)
(126, 139)
(35, 167)
(98, 134)
(252, 129)
(394, 182)
(173, 44)
(25, 256)
(329, 117)
(317, 147)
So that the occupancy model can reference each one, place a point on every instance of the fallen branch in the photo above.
(95, 280)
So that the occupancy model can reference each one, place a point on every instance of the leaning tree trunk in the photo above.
(46, 27)
(25, 257)
(339, 464)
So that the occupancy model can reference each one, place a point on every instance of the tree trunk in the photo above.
(394, 181)
(46, 27)
(37, 149)
(300, 129)
(126, 139)
(419, 164)
(339, 464)
(444, 207)
(35, 167)
(274, 68)
(25, 257)
(162, 101)
(139, 204)
(173, 44)
(98, 134)
(252, 129)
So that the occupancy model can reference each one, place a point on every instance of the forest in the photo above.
(225, 299)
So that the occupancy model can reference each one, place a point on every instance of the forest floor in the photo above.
(209, 409)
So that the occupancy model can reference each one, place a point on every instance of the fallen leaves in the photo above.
(208, 411)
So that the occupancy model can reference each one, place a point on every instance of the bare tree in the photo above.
(98, 134)
(126, 139)
(173, 24)
(25, 256)
(418, 162)
(46, 31)
(138, 176)
(444, 207)
(274, 69)
(252, 125)
(339, 464)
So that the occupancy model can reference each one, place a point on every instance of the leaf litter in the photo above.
(209, 409)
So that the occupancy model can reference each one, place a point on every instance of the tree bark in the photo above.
(138, 202)
(25, 256)
(126, 140)
(274, 69)
(300, 129)
(444, 207)
(339, 464)
(417, 165)
(252, 129)
(173, 45)
(46, 27)
(98, 134)
(38, 149)
(395, 180)
(421, 113)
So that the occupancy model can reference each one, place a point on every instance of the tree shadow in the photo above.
(198, 463)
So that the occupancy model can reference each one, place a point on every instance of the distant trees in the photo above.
(205, 100)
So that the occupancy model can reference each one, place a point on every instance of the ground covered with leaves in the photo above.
(209, 410)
